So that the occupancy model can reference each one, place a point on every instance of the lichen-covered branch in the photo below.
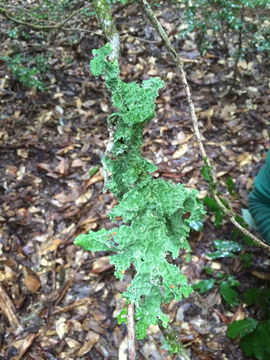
(152, 211)
(108, 27)
(179, 63)
(105, 18)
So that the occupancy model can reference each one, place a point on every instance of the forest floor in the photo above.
(62, 301)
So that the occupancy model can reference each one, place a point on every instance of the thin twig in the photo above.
(131, 333)
(179, 63)
(41, 27)
(239, 51)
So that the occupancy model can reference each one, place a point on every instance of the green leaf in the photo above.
(251, 296)
(257, 343)
(227, 245)
(92, 171)
(206, 173)
(218, 218)
(225, 248)
(264, 301)
(204, 285)
(229, 294)
(213, 206)
(241, 328)
(230, 185)
(211, 203)
(122, 317)
(247, 259)
(231, 280)
(208, 270)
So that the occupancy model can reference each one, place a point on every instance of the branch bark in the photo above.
(108, 27)
(131, 333)
(179, 64)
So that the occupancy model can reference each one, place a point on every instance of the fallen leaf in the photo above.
(181, 151)
(61, 327)
(87, 346)
(31, 280)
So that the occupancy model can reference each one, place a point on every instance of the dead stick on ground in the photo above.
(179, 63)
(8, 309)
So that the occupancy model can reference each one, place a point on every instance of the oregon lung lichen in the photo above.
(152, 209)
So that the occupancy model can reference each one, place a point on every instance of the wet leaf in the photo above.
(204, 285)
(230, 295)
(241, 328)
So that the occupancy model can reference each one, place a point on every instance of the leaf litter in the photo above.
(58, 302)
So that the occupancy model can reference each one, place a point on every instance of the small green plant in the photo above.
(253, 334)
(154, 226)
(216, 21)
(254, 337)
(227, 284)
(29, 71)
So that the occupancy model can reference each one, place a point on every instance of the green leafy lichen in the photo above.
(156, 215)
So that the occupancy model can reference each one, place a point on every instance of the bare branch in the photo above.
(40, 27)
(131, 333)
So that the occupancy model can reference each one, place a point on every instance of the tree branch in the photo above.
(108, 27)
(179, 63)
(131, 333)
(40, 27)
(107, 24)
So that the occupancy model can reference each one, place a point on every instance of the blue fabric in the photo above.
(259, 200)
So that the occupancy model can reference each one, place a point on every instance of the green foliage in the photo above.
(92, 171)
(226, 18)
(231, 185)
(229, 294)
(46, 10)
(226, 284)
(241, 328)
(213, 206)
(254, 337)
(260, 297)
(171, 342)
(122, 317)
(224, 248)
(204, 285)
(27, 70)
(247, 259)
(152, 210)
(226, 287)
